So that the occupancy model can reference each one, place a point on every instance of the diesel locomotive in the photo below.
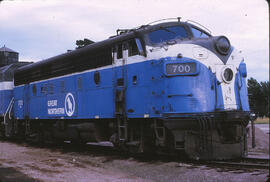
(168, 87)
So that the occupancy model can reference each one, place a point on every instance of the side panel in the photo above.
(138, 92)
(73, 97)
(99, 98)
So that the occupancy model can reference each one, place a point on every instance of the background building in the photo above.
(8, 56)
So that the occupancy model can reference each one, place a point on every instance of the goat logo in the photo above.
(69, 104)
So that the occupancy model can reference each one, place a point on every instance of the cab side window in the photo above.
(132, 48)
(127, 48)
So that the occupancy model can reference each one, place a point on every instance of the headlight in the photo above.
(222, 45)
(227, 75)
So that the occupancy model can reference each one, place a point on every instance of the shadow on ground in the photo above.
(8, 174)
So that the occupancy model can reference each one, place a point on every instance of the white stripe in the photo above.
(209, 59)
(199, 53)
(158, 53)
(6, 85)
(130, 60)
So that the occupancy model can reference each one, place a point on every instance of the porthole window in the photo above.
(96, 77)
(227, 75)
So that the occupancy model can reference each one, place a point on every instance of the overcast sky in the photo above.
(39, 29)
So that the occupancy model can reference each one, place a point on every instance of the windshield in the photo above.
(198, 34)
(165, 34)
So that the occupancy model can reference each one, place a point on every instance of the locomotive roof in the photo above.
(107, 42)
(82, 53)
(6, 72)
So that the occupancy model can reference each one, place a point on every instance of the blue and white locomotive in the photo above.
(167, 87)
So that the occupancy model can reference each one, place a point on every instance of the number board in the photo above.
(180, 68)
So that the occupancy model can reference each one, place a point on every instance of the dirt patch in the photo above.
(43, 170)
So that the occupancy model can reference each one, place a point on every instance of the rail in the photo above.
(255, 163)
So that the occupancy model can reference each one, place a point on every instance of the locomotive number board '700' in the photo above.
(188, 68)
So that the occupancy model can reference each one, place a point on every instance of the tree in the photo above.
(265, 96)
(259, 97)
(82, 43)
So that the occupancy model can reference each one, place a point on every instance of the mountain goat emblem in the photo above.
(69, 104)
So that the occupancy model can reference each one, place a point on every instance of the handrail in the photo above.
(178, 19)
(120, 31)
(8, 111)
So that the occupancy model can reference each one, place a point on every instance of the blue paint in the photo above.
(18, 102)
(240, 88)
(243, 69)
(153, 93)
(191, 94)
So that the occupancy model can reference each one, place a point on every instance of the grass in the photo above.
(264, 120)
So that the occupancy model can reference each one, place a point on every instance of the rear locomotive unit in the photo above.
(8, 64)
(164, 87)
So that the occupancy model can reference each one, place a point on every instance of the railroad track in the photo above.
(244, 163)
(255, 163)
